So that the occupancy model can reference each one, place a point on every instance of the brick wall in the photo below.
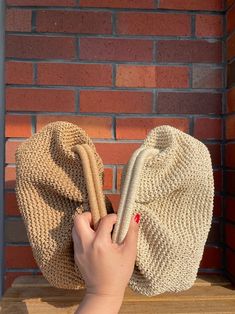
(117, 69)
(230, 143)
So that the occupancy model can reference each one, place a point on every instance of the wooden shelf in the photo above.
(34, 295)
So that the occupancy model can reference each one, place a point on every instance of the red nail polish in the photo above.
(137, 218)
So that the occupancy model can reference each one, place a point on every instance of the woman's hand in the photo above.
(105, 266)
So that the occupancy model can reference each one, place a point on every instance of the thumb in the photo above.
(131, 238)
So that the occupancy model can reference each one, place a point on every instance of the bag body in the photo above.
(174, 196)
(50, 189)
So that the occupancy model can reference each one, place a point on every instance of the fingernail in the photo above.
(137, 218)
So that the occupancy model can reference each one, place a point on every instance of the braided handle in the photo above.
(93, 184)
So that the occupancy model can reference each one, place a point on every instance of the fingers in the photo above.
(130, 241)
(82, 227)
(103, 232)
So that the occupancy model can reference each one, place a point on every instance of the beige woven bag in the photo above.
(169, 181)
(58, 174)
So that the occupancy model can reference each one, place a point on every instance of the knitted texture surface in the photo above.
(168, 180)
(174, 195)
(50, 189)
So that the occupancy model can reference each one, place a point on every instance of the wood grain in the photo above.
(34, 295)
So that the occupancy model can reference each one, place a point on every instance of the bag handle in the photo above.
(130, 188)
(93, 184)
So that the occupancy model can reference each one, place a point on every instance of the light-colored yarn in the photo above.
(51, 189)
(129, 191)
(173, 192)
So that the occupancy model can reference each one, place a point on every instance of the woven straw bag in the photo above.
(168, 180)
(53, 170)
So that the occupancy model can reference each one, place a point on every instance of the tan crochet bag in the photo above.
(53, 169)
(169, 180)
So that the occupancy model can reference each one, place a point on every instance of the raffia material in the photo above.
(169, 181)
(51, 188)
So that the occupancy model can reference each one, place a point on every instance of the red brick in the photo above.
(152, 76)
(218, 180)
(9, 277)
(231, 19)
(40, 47)
(230, 235)
(231, 74)
(75, 74)
(136, 4)
(11, 206)
(115, 199)
(108, 179)
(212, 257)
(206, 77)
(10, 177)
(230, 155)
(230, 261)
(229, 3)
(231, 47)
(215, 152)
(215, 5)
(18, 20)
(138, 128)
(230, 182)
(116, 153)
(118, 178)
(230, 208)
(116, 49)
(164, 24)
(214, 234)
(206, 128)
(231, 100)
(62, 21)
(230, 127)
(19, 72)
(58, 3)
(15, 231)
(96, 127)
(17, 126)
(19, 257)
(209, 25)
(189, 51)
(10, 151)
(189, 103)
(115, 101)
(35, 99)
(217, 211)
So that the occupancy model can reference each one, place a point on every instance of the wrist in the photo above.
(102, 303)
(111, 301)
(106, 292)
(103, 296)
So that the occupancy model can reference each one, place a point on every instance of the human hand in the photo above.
(105, 266)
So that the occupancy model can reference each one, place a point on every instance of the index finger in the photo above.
(82, 225)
